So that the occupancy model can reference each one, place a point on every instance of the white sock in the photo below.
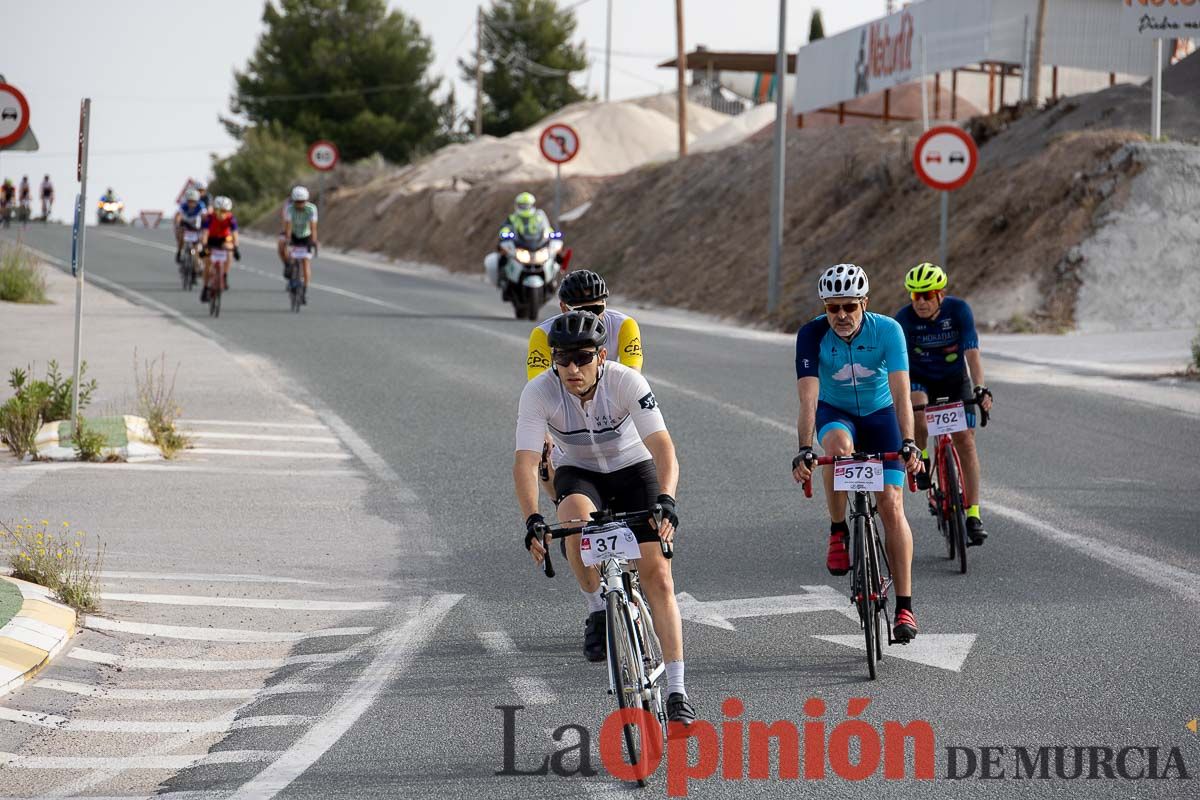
(675, 678)
(595, 602)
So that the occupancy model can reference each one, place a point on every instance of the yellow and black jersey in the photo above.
(624, 344)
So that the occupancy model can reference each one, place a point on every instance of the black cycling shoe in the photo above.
(923, 478)
(204, 295)
(680, 710)
(304, 296)
(975, 532)
(594, 636)
(179, 257)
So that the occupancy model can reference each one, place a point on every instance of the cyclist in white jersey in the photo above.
(616, 453)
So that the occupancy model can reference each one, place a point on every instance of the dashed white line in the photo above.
(171, 695)
(214, 634)
(261, 437)
(173, 762)
(226, 423)
(532, 689)
(203, 578)
(243, 602)
(226, 722)
(206, 665)
(218, 451)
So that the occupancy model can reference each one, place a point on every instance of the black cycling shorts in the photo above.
(956, 387)
(302, 241)
(634, 488)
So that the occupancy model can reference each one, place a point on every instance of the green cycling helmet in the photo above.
(925, 277)
(525, 204)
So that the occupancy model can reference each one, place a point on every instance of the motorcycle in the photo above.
(527, 269)
(109, 211)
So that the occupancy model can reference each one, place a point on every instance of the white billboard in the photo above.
(1160, 19)
(947, 34)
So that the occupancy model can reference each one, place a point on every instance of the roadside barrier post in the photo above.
(85, 113)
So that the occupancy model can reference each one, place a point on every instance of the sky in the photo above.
(160, 72)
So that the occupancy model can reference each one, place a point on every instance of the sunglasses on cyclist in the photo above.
(849, 308)
(924, 295)
(565, 358)
(597, 309)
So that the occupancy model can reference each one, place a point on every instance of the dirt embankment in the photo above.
(694, 232)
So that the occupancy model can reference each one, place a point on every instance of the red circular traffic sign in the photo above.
(945, 158)
(323, 155)
(559, 143)
(14, 114)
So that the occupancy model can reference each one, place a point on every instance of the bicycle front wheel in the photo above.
(957, 523)
(623, 662)
(863, 586)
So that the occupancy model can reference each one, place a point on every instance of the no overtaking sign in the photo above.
(945, 158)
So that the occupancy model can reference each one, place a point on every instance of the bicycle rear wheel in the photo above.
(214, 302)
(862, 584)
(622, 658)
(938, 488)
(957, 523)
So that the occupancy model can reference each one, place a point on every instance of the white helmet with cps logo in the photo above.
(843, 280)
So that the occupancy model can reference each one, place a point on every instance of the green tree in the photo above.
(345, 70)
(261, 173)
(816, 28)
(527, 59)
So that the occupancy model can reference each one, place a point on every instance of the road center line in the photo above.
(217, 578)
(393, 658)
(172, 695)
(221, 724)
(171, 762)
(244, 602)
(532, 689)
(261, 437)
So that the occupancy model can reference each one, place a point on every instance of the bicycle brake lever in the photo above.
(547, 567)
(668, 550)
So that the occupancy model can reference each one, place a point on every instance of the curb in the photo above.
(37, 633)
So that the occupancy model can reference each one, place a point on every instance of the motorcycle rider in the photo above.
(526, 220)
(109, 196)
(189, 215)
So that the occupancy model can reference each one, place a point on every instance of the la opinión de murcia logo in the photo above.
(736, 749)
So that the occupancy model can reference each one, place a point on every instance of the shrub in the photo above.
(1196, 352)
(58, 406)
(87, 441)
(21, 279)
(21, 415)
(59, 561)
(156, 402)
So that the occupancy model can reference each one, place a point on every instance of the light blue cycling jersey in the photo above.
(854, 374)
(191, 214)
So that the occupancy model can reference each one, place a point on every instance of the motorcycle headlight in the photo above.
(541, 255)
(522, 255)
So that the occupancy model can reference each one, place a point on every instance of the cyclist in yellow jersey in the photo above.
(584, 290)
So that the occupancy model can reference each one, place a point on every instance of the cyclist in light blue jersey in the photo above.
(852, 378)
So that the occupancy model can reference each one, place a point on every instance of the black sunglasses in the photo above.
(849, 308)
(565, 358)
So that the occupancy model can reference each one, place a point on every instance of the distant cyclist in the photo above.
(47, 196)
(300, 227)
(25, 198)
(188, 217)
(943, 350)
(205, 198)
(222, 230)
(852, 378)
(8, 201)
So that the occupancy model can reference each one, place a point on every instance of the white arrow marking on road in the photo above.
(717, 613)
(945, 651)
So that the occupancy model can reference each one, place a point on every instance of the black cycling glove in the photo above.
(806, 456)
(535, 526)
(669, 514)
(237, 254)
(909, 450)
(980, 391)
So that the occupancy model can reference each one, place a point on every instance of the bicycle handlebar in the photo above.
(824, 461)
(574, 526)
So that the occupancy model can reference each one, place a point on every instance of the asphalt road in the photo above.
(1082, 605)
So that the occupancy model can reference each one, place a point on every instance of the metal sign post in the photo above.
(942, 256)
(1156, 103)
(85, 112)
(777, 173)
(557, 192)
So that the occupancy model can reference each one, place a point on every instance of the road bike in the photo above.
(947, 500)
(635, 660)
(189, 266)
(294, 273)
(216, 282)
(859, 475)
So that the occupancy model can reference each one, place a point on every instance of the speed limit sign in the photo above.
(323, 155)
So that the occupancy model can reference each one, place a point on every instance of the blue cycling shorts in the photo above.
(878, 432)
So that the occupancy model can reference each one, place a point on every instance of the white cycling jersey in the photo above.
(605, 435)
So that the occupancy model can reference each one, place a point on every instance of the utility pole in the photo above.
(1035, 62)
(608, 52)
(681, 72)
(478, 72)
(777, 174)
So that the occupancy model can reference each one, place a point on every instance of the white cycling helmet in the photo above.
(200, 186)
(192, 196)
(299, 194)
(843, 280)
(223, 203)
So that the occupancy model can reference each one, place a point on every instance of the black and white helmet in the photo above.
(581, 287)
(577, 330)
(843, 280)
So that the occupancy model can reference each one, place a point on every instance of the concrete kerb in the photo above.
(34, 636)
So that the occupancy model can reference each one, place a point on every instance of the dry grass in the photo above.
(55, 558)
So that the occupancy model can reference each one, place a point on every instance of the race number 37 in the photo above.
(611, 541)
(858, 476)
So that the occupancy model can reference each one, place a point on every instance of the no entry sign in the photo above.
(945, 158)
(323, 155)
(559, 143)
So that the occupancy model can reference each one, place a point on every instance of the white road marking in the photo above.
(261, 437)
(203, 578)
(397, 652)
(171, 695)
(165, 466)
(1151, 570)
(214, 634)
(217, 451)
(243, 602)
(724, 406)
(717, 613)
(221, 724)
(532, 689)
(173, 762)
(206, 665)
(945, 651)
(225, 423)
